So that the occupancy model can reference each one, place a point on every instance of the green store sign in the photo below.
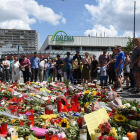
(62, 38)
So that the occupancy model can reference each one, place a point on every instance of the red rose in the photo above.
(48, 101)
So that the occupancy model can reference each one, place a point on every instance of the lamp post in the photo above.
(134, 23)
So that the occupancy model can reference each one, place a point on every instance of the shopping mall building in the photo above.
(60, 42)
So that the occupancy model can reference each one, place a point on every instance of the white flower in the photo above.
(38, 96)
(11, 130)
(133, 108)
(127, 105)
(45, 98)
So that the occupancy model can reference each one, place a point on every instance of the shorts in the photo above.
(127, 74)
(103, 78)
(119, 72)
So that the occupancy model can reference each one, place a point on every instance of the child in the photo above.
(103, 74)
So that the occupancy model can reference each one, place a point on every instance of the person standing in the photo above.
(94, 66)
(15, 70)
(76, 67)
(104, 58)
(119, 68)
(41, 68)
(25, 64)
(103, 73)
(52, 69)
(47, 65)
(34, 67)
(68, 62)
(59, 65)
(85, 72)
(6, 69)
(11, 61)
(131, 77)
(126, 69)
(135, 60)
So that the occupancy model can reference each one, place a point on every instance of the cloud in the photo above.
(118, 13)
(26, 12)
(99, 29)
(64, 20)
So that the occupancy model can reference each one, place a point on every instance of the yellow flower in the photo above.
(94, 93)
(45, 117)
(34, 138)
(86, 105)
(113, 132)
(64, 122)
(13, 120)
(120, 118)
(87, 91)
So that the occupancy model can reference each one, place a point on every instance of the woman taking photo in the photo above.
(25, 63)
(15, 70)
(86, 62)
(135, 60)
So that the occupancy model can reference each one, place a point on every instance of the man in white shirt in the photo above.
(6, 69)
(41, 68)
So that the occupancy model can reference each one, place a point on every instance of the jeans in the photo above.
(52, 74)
(34, 74)
(26, 75)
(6, 74)
(77, 76)
(46, 75)
(70, 75)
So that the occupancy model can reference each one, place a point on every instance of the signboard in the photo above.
(62, 38)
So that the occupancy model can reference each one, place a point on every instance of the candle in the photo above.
(134, 135)
(31, 118)
(48, 137)
(59, 106)
(32, 111)
(130, 136)
(46, 111)
(75, 98)
(83, 134)
(21, 123)
(79, 121)
(96, 136)
(50, 111)
(3, 128)
(125, 138)
(55, 137)
(14, 99)
(138, 134)
(14, 136)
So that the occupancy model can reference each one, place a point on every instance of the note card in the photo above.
(94, 119)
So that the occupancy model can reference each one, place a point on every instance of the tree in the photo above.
(129, 45)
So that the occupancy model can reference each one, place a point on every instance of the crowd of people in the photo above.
(79, 70)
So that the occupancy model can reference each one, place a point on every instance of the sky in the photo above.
(75, 17)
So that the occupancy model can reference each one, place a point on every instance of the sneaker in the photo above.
(119, 90)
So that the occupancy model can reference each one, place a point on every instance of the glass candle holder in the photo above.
(14, 136)
(48, 137)
(31, 118)
(59, 106)
(79, 121)
(55, 137)
(3, 128)
(32, 111)
(50, 111)
(46, 111)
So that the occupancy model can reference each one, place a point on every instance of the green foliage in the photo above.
(66, 81)
(129, 45)
(49, 79)
(73, 133)
(87, 98)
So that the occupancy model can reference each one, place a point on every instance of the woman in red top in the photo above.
(25, 63)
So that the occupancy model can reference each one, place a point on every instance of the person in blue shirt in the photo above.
(34, 67)
(11, 61)
(68, 62)
(119, 68)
